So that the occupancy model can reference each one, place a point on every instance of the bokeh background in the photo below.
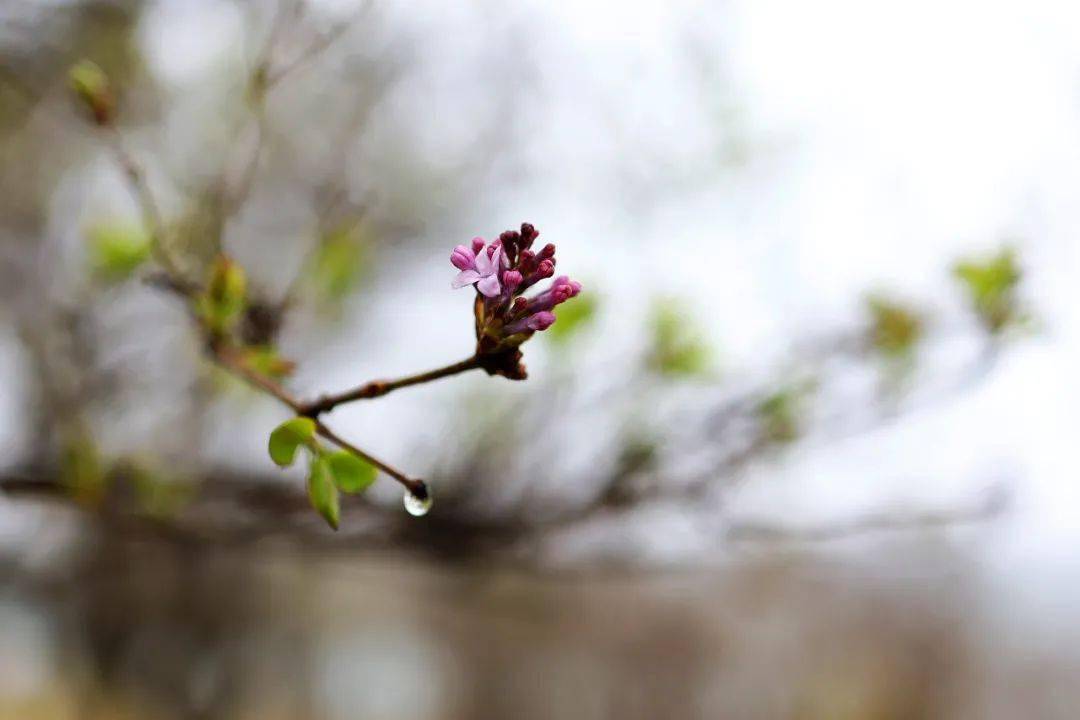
(804, 448)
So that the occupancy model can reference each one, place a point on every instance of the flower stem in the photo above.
(378, 388)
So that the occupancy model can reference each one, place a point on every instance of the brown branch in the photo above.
(227, 357)
(378, 388)
(413, 485)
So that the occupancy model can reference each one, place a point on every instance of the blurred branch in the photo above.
(233, 509)
(235, 192)
(316, 48)
(995, 502)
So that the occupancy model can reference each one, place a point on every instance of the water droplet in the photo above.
(418, 506)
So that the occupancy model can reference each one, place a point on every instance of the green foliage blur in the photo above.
(266, 360)
(340, 262)
(573, 317)
(678, 348)
(778, 416)
(895, 328)
(991, 285)
(82, 470)
(117, 250)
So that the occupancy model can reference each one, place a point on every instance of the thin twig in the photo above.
(416, 487)
(140, 189)
(235, 195)
(227, 357)
(378, 388)
(315, 49)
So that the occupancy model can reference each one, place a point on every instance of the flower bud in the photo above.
(463, 258)
(528, 262)
(541, 321)
(511, 280)
(528, 235)
(534, 323)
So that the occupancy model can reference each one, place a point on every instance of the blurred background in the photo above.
(803, 448)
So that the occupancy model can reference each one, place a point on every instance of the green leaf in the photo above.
(679, 348)
(351, 474)
(287, 437)
(321, 490)
(117, 250)
(573, 316)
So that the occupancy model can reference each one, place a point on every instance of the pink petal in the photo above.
(465, 277)
(489, 286)
(484, 264)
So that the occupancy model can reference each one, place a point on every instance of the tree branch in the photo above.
(378, 388)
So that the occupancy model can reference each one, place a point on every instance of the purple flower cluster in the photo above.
(502, 272)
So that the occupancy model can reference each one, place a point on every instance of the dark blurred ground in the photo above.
(133, 627)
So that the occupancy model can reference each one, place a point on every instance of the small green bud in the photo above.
(220, 306)
(90, 83)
